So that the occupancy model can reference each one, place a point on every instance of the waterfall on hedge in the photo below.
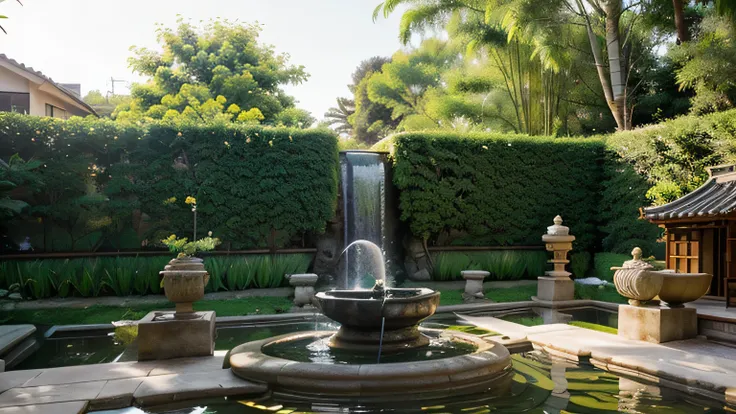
(364, 203)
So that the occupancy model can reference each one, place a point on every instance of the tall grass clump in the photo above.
(502, 264)
(448, 265)
(124, 276)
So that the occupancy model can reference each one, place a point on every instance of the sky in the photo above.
(88, 41)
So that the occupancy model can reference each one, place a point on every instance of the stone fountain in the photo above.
(329, 365)
(378, 317)
(668, 320)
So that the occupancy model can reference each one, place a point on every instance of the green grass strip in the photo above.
(257, 305)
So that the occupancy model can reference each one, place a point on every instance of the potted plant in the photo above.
(185, 277)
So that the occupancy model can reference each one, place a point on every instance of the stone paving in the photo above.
(118, 385)
(715, 308)
(696, 366)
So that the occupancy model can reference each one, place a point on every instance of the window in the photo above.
(15, 102)
(55, 112)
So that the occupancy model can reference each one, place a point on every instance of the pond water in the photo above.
(95, 347)
(540, 384)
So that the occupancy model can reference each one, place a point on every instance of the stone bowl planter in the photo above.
(680, 288)
(637, 284)
(184, 281)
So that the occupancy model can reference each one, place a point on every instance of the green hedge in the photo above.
(124, 276)
(604, 261)
(495, 189)
(103, 185)
(674, 155)
(498, 189)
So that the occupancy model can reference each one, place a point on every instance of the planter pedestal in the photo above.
(657, 325)
(303, 288)
(161, 335)
(474, 284)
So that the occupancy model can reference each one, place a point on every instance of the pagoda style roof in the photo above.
(717, 197)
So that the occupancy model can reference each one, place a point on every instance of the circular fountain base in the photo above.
(397, 340)
(484, 367)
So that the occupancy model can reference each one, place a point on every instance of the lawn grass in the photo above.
(594, 327)
(606, 293)
(514, 294)
(259, 305)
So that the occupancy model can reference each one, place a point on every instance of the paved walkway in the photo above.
(119, 385)
(715, 308)
(125, 301)
(693, 366)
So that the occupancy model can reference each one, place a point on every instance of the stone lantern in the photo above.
(556, 285)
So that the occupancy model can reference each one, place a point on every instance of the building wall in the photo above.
(39, 99)
(11, 82)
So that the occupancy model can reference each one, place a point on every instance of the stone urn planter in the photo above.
(474, 284)
(636, 280)
(184, 279)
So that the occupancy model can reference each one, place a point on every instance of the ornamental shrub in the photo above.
(103, 185)
(498, 189)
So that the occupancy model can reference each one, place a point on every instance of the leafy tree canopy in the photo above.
(218, 72)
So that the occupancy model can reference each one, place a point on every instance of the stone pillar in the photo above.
(303, 288)
(474, 284)
(556, 285)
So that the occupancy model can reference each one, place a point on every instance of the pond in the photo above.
(66, 348)
(540, 383)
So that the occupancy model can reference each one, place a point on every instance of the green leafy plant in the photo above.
(186, 248)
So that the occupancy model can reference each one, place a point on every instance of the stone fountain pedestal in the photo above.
(556, 284)
(184, 332)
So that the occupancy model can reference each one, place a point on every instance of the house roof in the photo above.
(716, 197)
(35, 76)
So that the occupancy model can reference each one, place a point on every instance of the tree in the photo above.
(707, 65)
(403, 84)
(217, 72)
(371, 120)
(5, 17)
(337, 118)
(539, 25)
(105, 105)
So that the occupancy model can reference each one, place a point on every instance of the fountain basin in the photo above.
(486, 369)
(362, 312)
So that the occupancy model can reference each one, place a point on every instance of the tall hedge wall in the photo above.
(95, 184)
(498, 189)
(504, 189)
